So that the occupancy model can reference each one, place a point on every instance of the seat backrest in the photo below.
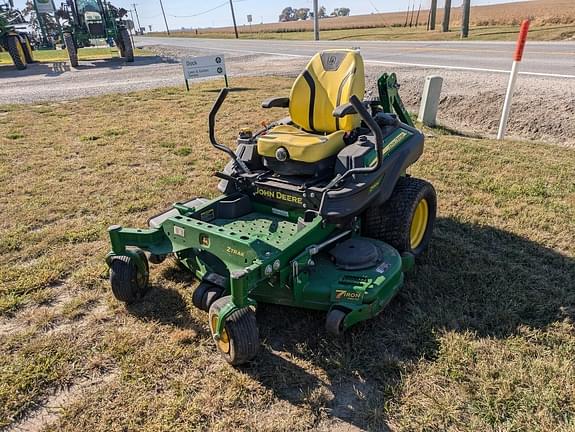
(329, 80)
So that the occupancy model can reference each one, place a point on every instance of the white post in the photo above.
(430, 100)
(518, 56)
(508, 101)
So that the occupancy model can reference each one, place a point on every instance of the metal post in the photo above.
(465, 19)
(446, 16)
(513, 79)
(433, 17)
(165, 20)
(234, 19)
(315, 20)
(417, 19)
(137, 17)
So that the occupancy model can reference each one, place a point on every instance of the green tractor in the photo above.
(316, 211)
(14, 38)
(86, 21)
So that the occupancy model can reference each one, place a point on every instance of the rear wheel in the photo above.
(127, 50)
(17, 51)
(71, 48)
(239, 340)
(406, 220)
(129, 283)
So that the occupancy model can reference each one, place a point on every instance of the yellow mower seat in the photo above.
(328, 81)
(302, 146)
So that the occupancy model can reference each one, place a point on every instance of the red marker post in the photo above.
(517, 57)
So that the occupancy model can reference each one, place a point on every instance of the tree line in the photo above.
(301, 14)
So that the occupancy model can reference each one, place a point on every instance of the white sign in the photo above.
(200, 67)
(45, 6)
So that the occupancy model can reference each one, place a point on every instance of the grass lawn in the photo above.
(480, 339)
(487, 33)
(49, 56)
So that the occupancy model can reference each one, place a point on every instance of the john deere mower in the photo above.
(13, 37)
(86, 21)
(316, 211)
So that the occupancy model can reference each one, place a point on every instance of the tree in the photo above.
(322, 12)
(288, 14)
(340, 12)
(302, 13)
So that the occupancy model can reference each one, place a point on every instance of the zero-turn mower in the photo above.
(316, 212)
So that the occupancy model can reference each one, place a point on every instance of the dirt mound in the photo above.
(543, 108)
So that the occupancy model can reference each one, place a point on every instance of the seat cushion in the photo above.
(302, 146)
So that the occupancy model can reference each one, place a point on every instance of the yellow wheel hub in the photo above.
(419, 223)
(224, 341)
(20, 49)
(29, 48)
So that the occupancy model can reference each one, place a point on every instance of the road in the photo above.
(552, 59)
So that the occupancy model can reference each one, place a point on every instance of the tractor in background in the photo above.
(14, 36)
(87, 21)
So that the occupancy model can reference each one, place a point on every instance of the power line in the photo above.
(374, 6)
(206, 11)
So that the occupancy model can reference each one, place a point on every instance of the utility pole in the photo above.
(407, 16)
(137, 17)
(165, 20)
(433, 17)
(465, 19)
(234, 18)
(315, 20)
(446, 16)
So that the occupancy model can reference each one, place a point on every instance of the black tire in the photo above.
(392, 221)
(17, 51)
(129, 284)
(334, 322)
(213, 293)
(28, 50)
(156, 259)
(198, 295)
(71, 48)
(240, 336)
(128, 49)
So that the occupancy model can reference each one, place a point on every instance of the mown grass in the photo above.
(487, 33)
(480, 338)
(84, 54)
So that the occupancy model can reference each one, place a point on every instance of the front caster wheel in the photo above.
(334, 322)
(239, 339)
(205, 295)
(129, 283)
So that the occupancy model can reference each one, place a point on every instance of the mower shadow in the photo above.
(59, 67)
(167, 306)
(474, 278)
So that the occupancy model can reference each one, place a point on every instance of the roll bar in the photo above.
(212, 130)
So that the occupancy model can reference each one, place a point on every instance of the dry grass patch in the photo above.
(481, 338)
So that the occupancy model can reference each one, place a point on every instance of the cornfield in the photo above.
(541, 12)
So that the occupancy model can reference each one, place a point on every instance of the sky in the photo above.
(216, 13)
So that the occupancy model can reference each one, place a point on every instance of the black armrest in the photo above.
(276, 102)
(344, 110)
